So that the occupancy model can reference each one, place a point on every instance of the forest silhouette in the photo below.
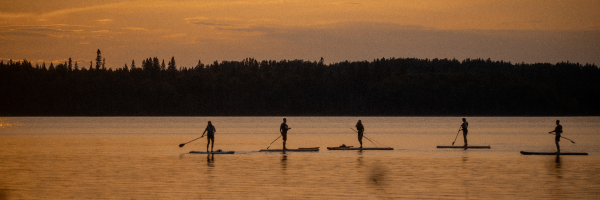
(382, 87)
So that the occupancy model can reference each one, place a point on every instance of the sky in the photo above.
(530, 31)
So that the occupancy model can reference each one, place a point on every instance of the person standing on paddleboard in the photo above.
(464, 128)
(210, 129)
(361, 130)
(558, 130)
(283, 129)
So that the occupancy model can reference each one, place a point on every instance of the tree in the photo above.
(70, 66)
(133, 65)
(199, 65)
(98, 60)
(172, 66)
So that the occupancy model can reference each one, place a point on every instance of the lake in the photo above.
(140, 158)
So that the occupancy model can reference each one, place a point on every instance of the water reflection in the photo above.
(359, 160)
(557, 167)
(7, 123)
(283, 161)
(210, 158)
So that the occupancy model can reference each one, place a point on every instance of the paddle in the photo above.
(456, 137)
(276, 139)
(365, 137)
(563, 137)
(273, 141)
(181, 145)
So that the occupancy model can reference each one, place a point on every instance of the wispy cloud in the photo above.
(14, 15)
(135, 29)
(223, 23)
(175, 35)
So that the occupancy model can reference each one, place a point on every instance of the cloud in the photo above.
(135, 29)
(104, 20)
(14, 15)
(368, 40)
(221, 23)
(175, 35)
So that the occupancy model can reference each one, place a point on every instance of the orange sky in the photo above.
(209, 30)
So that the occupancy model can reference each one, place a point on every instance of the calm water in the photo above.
(139, 158)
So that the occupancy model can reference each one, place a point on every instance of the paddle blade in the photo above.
(181, 145)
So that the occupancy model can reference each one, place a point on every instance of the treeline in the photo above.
(382, 87)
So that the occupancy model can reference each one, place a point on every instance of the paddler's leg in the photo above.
(360, 136)
(284, 140)
(556, 140)
(465, 136)
(208, 143)
(212, 144)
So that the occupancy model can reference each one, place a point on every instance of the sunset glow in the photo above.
(515, 31)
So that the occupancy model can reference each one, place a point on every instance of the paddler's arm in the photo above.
(204, 132)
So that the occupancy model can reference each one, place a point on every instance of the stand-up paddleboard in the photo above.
(298, 149)
(463, 147)
(551, 153)
(214, 152)
(357, 148)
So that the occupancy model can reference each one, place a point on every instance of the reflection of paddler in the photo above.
(361, 130)
(283, 129)
(558, 130)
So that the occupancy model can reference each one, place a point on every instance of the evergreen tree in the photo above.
(172, 66)
(133, 65)
(98, 60)
(70, 66)
(199, 65)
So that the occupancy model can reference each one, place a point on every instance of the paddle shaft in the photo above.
(456, 137)
(273, 141)
(365, 137)
(181, 145)
(563, 137)
(277, 138)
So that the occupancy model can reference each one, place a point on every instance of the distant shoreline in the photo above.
(382, 87)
